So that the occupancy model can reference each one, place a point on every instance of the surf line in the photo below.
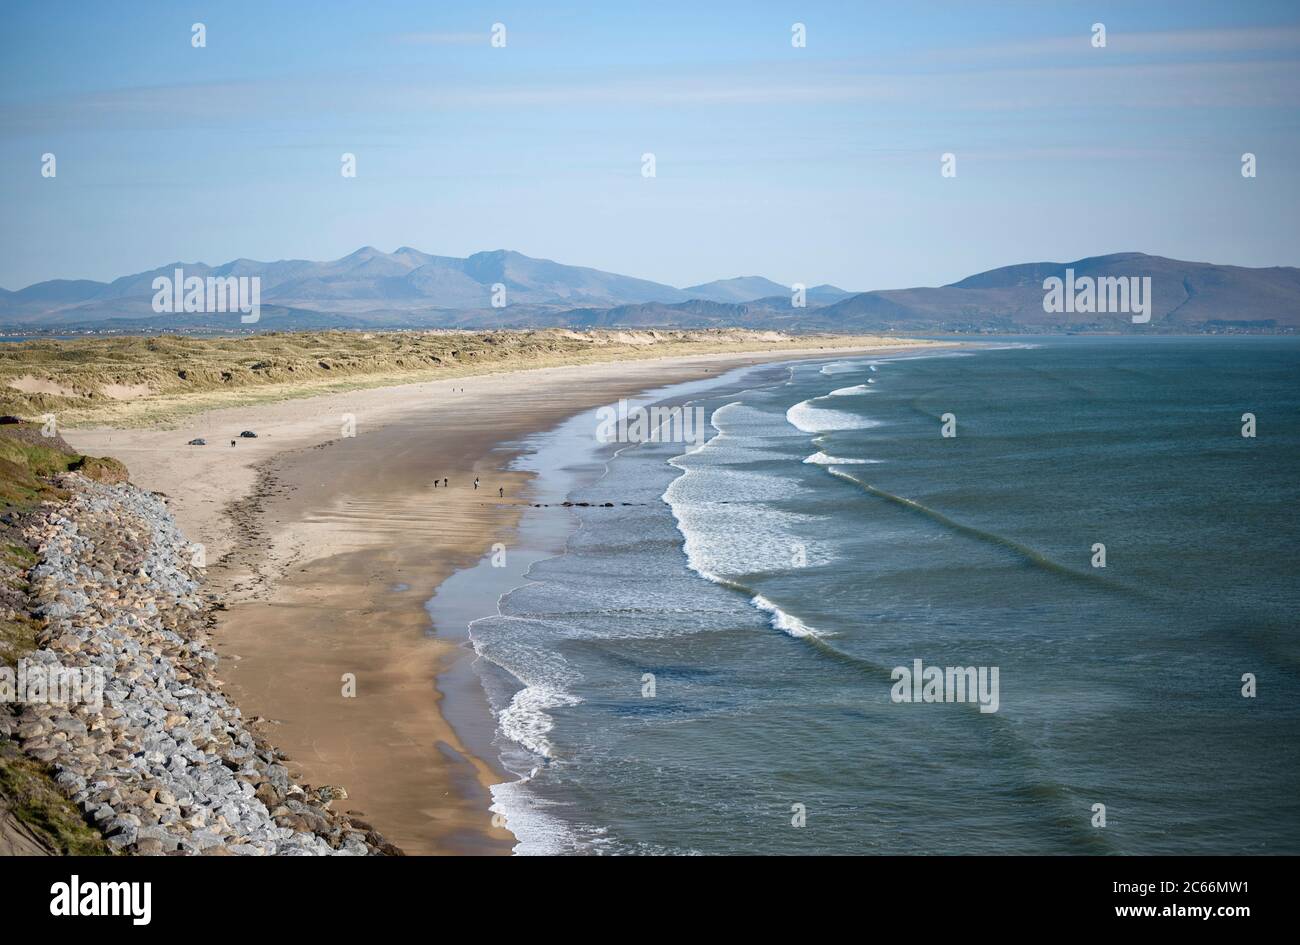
(1025, 553)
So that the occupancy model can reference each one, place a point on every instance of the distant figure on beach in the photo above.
(476, 483)
(444, 483)
(501, 492)
(232, 442)
(435, 483)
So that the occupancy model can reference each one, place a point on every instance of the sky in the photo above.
(813, 164)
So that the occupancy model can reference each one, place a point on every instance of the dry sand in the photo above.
(326, 546)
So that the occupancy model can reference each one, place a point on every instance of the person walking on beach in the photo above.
(476, 483)
(444, 482)
(501, 492)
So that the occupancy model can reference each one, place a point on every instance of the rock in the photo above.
(70, 726)
(329, 793)
(203, 839)
(268, 795)
(293, 822)
(32, 730)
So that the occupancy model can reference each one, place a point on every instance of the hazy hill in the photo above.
(408, 288)
(763, 292)
(367, 280)
(740, 289)
(1185, 296)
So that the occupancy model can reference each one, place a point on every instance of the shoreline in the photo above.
(566, 461)
(327, 549)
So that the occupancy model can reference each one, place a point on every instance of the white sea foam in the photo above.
(812, 419)
(726, 513)
(851, 391)
(733, 410)
(786, 623)
(537, 832)
(840, 367)
(526, 720)
(822, 459)
(744, 535)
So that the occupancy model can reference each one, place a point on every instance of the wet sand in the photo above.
(326, 547)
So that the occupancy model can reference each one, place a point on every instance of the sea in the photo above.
(1033, 596)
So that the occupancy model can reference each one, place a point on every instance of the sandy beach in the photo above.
(325, 536)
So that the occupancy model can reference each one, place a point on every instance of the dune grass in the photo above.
(139, 381)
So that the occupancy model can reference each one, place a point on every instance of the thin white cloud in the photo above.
(1096, 81)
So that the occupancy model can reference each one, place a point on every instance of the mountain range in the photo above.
(409, 288)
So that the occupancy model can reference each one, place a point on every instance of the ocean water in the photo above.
(770, 582)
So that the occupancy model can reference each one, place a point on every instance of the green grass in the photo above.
(33, 798)
(23, 467)
(17, 639)
(36, 460)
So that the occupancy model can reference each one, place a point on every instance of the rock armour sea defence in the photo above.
(166, 764)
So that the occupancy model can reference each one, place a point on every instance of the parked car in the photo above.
(249, 435)
(197, 441)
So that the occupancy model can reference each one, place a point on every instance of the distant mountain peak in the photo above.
(371, 288)
(736, 289)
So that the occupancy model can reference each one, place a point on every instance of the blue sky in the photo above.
(807, 165)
